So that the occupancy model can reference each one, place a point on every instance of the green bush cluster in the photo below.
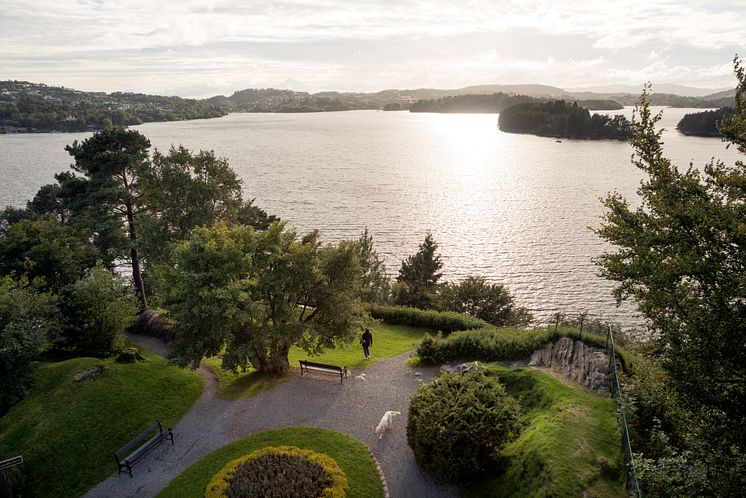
(492, 344)
(459, 423)
(444, 321)
(279, 472)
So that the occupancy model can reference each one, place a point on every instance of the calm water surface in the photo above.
(515, 208)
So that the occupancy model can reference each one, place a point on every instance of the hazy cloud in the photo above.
(218, 46)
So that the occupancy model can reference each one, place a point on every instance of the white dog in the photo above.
(385, 423)
(361, 376)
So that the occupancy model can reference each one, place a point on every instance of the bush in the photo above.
(444, 321)
(26, 317)
(96, 310)
(490, 302)
(459, 424)
(492, 344)
(278, 472)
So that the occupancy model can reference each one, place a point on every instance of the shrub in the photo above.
(490, 302)
(26, 316)
(277, 472)
(445, 321)
(96, 310)
(492, 344)
(459, 424)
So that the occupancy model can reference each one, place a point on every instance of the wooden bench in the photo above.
(310, 366)
(142, 444)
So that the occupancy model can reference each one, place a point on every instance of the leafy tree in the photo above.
(681, 257)
(375, 285)
(249, 296)
(492, 303)
(419, 275)
(45, 249)
(96, 309)
(113, 161)
(26, 318)
(182, 191)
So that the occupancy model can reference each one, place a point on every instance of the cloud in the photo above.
(171, 44)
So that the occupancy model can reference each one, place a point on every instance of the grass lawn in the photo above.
(388, 341)
(569, 446)
(351, 455)
(66, 432)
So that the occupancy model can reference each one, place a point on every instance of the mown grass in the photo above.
(351, 455)
(66, 432)
(569, 445)
(388, 341)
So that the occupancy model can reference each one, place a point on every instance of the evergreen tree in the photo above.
(419, 275)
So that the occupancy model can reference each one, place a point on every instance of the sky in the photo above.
(211, 47)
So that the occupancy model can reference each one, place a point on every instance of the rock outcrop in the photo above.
(574, 360)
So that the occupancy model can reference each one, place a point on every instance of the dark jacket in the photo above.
(367, 338)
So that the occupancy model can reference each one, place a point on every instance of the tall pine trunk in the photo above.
(135, 256)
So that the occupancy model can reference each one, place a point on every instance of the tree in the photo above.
(113, 161)
(375, 285)
(680, 255)
(182, 191)
(419, 275)
(96, 309)
(492, 303)
(58, 254)
(249, 296)
(26, 318)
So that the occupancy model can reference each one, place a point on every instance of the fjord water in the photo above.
(514, 208)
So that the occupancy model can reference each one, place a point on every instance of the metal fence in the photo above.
(633, 489)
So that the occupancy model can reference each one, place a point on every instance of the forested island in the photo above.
(600, 105)
(704, 124)
(562, 119)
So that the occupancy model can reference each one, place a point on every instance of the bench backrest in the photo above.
(321, 365)
(137, 441)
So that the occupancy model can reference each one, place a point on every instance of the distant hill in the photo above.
(681, 90)
(35, 107)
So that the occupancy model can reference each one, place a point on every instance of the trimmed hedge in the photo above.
(444, 321)
(277, 472)
(492, 344)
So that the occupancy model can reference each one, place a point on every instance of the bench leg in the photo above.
(129, 468)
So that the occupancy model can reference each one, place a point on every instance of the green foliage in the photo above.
(352, 456)
(96, 309)
(492, 344)
(680, 256)
(44, 249)
(66, 431)
(568, 446)
(705, 123)
(113, 160)
(419, 275)
(443, 321)
(184, 190)
(249, 296)
(459, 423)
(492, 303)
(375, 286)
(562, 119)
(26, 318)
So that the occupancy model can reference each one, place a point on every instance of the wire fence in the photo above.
(633, 488)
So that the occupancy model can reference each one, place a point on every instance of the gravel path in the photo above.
(354, 407)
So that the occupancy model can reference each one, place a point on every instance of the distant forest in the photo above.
(704, 124)
(494, 103)
(562, 119)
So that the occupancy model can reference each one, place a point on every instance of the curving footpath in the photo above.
(354, 407)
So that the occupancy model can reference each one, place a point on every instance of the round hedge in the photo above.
(275, 472)
(459, 423)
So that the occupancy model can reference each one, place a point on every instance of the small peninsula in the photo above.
(562, 119)
(705, 123)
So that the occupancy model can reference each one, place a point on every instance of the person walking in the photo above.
(367, 341)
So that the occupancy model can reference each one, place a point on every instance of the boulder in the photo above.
(89, 374)
(130, 355)
(576, 361)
